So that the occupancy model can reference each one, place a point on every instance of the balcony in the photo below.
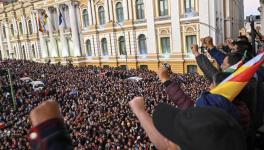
(67, 31)
(190, 14)
(85, 29)
(162, 18)
(55, 33)
(13, 38)
(139, 21)
(45, 34)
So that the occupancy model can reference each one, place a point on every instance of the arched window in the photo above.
(30, 30)
(119, 12)
(88, 48)
(101, 14)
(165, 45)
(15, 55)
(140, 9)
(23, 52)
(7, 53)
(142, 44)
(122, 45)
(104, 46)
(12, 29)
(20, 27)
(85, 18)
(4, 32)
(163, 8)
(33, 51)
(190, 40)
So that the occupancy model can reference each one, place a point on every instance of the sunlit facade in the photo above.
(139, 33)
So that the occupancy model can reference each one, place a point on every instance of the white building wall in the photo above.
(151, 40)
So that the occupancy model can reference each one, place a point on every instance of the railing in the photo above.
(67, 30)
(162, 18)
(139, 21)
(190, 14)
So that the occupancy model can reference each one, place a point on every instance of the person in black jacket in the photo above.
(208, 68)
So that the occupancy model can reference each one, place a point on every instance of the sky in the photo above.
(251, 7)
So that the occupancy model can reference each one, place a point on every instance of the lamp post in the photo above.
(7, 74)
(123, 30)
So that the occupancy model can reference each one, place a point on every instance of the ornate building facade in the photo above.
(136, 33)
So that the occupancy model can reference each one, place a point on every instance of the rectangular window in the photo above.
(163, 8)
(191, 69)
(144, 67)
(190, 40)
(4, 32)
(189, 6)
(165, 45)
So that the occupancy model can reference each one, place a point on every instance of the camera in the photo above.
(202, 49)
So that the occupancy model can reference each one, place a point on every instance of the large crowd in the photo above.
(93, 102)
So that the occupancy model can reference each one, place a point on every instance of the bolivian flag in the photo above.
(235, 83)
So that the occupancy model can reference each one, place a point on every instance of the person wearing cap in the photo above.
(238, 110)
(199, 128)
(194, 128)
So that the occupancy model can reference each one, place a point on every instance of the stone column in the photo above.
(125, 9)
(176, 28)
(64, 52)
(74, 30)
(130, 11)
(53, 44)
(1, 44)
(151, 33)
(90, 13)
(93, 12)
(111, 10)
(106, 11)
(33, 22)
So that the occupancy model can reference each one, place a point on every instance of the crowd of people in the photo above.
(94, 103)
(102, 108)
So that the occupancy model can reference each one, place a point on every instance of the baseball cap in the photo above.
(241, 41)
(199, 128)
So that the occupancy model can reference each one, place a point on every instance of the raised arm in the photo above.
(174, 91)
(48, 130)
(138, 108)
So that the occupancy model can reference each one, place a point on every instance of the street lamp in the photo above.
(7, 74)
(123, 30)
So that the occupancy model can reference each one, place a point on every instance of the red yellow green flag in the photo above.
(235, 83)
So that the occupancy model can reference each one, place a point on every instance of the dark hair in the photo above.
(220, 76)
(234, 58)
(242, 46)
(243, 38)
